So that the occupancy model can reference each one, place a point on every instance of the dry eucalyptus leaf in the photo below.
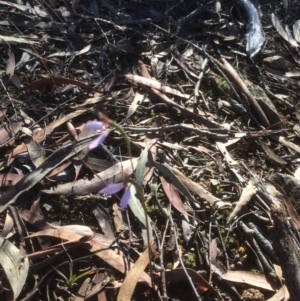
(14, 264)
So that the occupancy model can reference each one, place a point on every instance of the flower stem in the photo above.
(125, 136)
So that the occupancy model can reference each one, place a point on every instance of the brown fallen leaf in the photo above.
(181, 61)
(103, 219)
(10, 64)
(149, 82)
(242, 89)
(215, 127)
(9, 179)
(9, 130)
(36, 152)
(194, 187)
(131, 279)
(271, 155)
(173, 196)
(249, 278)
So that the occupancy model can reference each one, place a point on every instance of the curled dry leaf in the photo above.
(246, 196)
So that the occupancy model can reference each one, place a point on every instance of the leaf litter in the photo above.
(207, 94)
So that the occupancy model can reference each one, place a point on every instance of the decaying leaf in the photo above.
(15, 266)
(271, 155)
(245, 197)
(277, 24)
(249, 278)
(194, 187)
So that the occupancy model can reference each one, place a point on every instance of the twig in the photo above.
(160, 246)
(171, 128)
(180, 258)
(197, 86)
(242, 88)
(249, 233)
(194, 13)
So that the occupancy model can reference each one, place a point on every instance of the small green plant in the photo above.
(231, 240)
(112, 278)
(73, 279)
(190, 260)
(271, 170)
(255, 271)
(169, 265)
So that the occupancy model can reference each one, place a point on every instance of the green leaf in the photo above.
(140, 168)
(138, 211)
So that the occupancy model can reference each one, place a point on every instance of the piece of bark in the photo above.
(286, 243)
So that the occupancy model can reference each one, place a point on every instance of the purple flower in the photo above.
(96, 142)
(112, 188)
(116, 187)
(97, 125)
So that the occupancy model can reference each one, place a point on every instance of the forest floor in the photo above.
(203, 121)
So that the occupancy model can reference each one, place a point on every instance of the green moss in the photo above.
(169, 265)
(190, 260)
(222, 85)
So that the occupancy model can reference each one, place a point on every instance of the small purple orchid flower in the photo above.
(116, 187)
(97, 125)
